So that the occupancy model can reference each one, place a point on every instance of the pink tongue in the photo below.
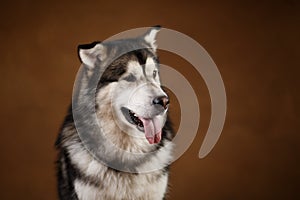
(152, 129)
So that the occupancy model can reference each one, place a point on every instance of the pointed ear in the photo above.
(89, 53)
(150, 36)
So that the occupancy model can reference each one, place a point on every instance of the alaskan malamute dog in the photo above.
(131, 110)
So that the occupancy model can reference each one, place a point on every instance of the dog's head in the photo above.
(129, 87)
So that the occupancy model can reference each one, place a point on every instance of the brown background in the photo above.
(255, 44)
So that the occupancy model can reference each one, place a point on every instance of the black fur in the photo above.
(66, 181)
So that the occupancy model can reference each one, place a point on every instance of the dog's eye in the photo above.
(154, 73)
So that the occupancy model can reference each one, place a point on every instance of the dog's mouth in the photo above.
(152, 127)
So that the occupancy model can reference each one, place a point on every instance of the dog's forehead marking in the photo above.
(150, 64)
(134, 68)
(150, 67)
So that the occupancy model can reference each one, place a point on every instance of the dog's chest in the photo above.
(119, 185)
(101, 182)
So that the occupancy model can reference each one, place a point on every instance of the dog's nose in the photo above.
(161, 100)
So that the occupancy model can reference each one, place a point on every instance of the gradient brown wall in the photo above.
(255, 44)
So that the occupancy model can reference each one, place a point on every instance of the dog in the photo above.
(131, 109)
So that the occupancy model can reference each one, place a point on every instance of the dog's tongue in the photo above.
(152, 129)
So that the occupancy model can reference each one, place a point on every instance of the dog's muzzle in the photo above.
(151, 125)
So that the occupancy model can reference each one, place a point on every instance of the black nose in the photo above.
(161, 100)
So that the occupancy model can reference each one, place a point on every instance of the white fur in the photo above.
(138, 96)
(90, 56)
(150, 37)
(150, 66)
(121, 188)
(85, 191)
(125, 186)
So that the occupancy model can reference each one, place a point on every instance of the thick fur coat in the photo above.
(131, 109)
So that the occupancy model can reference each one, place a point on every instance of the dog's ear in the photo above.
(90, 53)
(150, 36)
